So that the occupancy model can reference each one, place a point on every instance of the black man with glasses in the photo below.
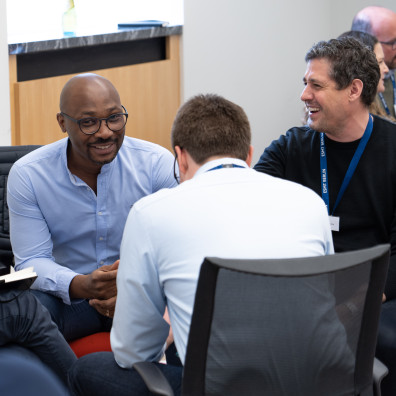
(381, 23)
(69, 201)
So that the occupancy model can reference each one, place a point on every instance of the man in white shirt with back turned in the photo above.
(222, 208)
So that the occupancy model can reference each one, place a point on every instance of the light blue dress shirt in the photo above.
(60, 226)
(228, 212)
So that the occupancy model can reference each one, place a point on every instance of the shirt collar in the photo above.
(220, 161)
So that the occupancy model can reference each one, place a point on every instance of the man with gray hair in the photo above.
(348, 157)
(381, 23)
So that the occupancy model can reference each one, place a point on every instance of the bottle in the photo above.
(69, 19)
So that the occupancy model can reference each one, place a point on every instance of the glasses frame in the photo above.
(177, 177)
(99, 119)
(391, 43)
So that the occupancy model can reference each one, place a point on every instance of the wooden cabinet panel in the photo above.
(149, 91)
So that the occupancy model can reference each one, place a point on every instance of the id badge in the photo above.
(334, 223)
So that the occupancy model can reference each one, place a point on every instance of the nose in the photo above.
(104, 132)
(386, 68)
(306, 94)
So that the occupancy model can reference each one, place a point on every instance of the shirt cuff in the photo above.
(58, 285)
(63, 281)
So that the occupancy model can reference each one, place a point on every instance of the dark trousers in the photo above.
(98, 374)
(76, 320)
(25, 322)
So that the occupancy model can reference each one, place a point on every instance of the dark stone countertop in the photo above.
(40, 43)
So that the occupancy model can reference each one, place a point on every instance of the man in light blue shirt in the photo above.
(69, 200)
(222, 209)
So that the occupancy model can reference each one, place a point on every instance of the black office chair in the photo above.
(304, 326)
(8, 155)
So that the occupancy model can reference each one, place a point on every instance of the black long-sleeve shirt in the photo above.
(367, 208)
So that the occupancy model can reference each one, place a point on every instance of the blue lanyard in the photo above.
(225, 166)
(351, 169)
(381, 96)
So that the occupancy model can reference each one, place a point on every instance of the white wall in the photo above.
(5, 121)
(252, 52)
(92, 15)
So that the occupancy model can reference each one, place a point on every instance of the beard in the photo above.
(103, 162)
(117, 143)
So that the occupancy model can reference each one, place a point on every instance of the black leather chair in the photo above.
(8, 155)
(304, 326)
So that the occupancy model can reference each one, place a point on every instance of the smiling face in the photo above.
(379, 53)
(326, 105)
(90, 96)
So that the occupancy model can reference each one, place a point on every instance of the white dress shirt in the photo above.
(228, 212)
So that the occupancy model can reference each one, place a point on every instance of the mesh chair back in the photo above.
(304, 326)
(8, 155)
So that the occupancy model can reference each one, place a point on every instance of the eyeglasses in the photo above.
(175, 175)
(391, 43)
(91, 125)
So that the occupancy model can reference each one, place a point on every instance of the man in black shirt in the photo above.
(348, 157)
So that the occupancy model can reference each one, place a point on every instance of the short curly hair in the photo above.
(210, 125)
(349, 59)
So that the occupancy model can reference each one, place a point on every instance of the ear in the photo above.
(61, 122)
(250, 156)
(181, 160)
(355, 89)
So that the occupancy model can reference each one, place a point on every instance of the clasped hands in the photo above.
(99, 287)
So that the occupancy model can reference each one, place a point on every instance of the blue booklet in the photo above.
(145, 23)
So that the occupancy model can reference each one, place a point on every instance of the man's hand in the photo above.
(104, 307)
(99, 284)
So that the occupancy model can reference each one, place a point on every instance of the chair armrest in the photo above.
(379, 372)
(154, 379)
